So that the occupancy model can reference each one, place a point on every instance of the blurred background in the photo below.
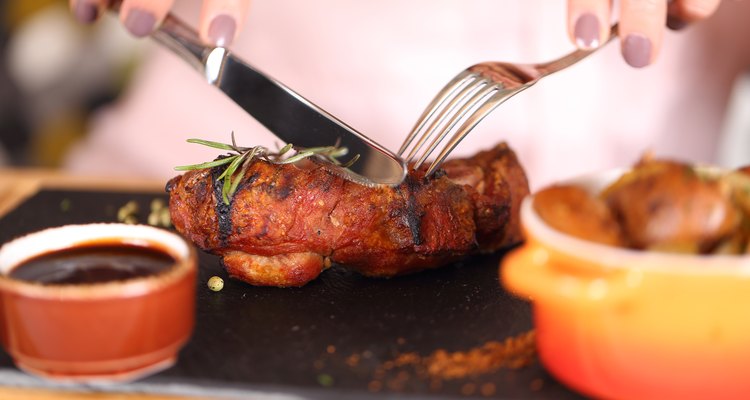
(55, 74)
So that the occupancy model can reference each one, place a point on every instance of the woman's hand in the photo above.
(641, 23)
(220, 20)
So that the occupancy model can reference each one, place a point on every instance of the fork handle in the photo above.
(550, 67)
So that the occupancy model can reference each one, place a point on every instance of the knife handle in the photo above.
(179, 37)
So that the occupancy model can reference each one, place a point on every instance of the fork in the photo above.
(471, 96)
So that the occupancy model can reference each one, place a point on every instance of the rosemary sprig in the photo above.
(240, 158)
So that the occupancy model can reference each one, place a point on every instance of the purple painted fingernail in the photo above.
(222, 29)
(139, 22)
(86, 12)
(636, 49)
(586, 31)
(675, 23)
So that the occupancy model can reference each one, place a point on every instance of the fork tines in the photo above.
(460, 104)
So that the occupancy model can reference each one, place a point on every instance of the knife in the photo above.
(284, 112)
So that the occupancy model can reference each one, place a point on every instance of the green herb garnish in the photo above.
(325, 380)
(240, 158)
(65, 205)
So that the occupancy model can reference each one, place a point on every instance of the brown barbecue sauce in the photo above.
(94, 263)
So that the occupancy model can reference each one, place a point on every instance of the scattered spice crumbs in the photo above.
(515, 352)
(536, 385)
(406, 369)
(468, 389)
(353, 360)
(488, 389)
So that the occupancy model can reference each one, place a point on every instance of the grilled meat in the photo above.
(285, 224)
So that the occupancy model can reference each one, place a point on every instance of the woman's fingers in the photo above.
(641, 30)
(588, 22)
(221, 20)
(683, 12)
(141, 17)
(641, 24)
(87, 11)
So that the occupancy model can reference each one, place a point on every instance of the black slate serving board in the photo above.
(292, 343)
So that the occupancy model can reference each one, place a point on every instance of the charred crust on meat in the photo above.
(279, 186)
(170, 183)
(247, 181)
(283, 191)
(200, 189)
(251, 179)
(439, 173)
(223, 211)
(412, 214)
(324, 185)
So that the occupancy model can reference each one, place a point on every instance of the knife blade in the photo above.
(284, 112)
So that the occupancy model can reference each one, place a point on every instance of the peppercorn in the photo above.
(215, 283)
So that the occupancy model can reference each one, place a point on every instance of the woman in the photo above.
(376, 65)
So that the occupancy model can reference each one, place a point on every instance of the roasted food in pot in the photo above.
(285, 224)
(573, 210)
(659, 205)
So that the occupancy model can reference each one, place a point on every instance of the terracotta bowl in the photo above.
(626, 324)
(111, 331)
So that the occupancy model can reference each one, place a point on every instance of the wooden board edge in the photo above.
(16, 185)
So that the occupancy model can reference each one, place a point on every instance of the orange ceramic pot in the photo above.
(112, 331)
(624, 324)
